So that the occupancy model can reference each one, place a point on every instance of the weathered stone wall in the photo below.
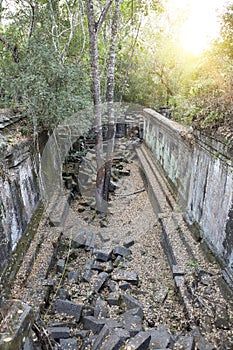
(200, 172)
(19, 194)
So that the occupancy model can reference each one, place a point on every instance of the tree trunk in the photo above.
(110, 101)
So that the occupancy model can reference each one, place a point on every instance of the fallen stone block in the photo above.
(97, 267)
(100, 338)
(90, 240)
(102, 277)
(68, 344)
(177, 271)
(60, 265)
(112, 323)
(131, 302)
(203, 344)
(109, 267)
(63, 294)
(133, 324)
(141, 341)
(128, 276)
(184, 343)
(113, 299)
(160, 338)
(122, 333)
(112, 286)
(135, 312)
(79, 241)
(87, 311)
(102, 255)
(112, 343)
(59, 332)
(124, 285)
(122, 251)
(100, 310)
(93, 324)
(69, 308)
(87, 275)
(128, 243)
(73, 275)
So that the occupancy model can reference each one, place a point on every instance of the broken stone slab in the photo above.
(113, 342)
(90, 240)
(93, 324)
(203, 344)
(134, 312)
(160, 338)
(79, 241)
(60, 265)
(133, 324)
(97, 267)
(141, 341)
(102, 277)
(68, 344)
(102, 255)
(59, 332)
(128, 243)
(131, 302)
(128, 276)
(109, 267)
(87, 311)
(73, 275)
(112, 286)
(122, 251)
(177, 271)
(87, 275)
(124, 286)
(184, 343)
(100, 310)
(113, 299)
(69, 308)
(122, 333)
(62, 293)
(100, 338)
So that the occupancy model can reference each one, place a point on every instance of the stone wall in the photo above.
(199, 170)
(19, 194)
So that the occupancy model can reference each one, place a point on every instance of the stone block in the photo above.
(87, 311)
(135, 312)
(128, 276)
(141, 341)
(177, 271)
(112, 286)
(69, 308)
(87, 275)
(62, 293)
(133, 324)
(90, 240)
(113, 342)
(109, 267)
(113, 299)
(60, 265)
(128, 243)
(131, 302)
(93, 324)
(68, 344)
(184, 343)
(100, 338)
(73, 275)
(124, 285)
(160, 338)
(102, 277)
(100, 310)
(79, 241)
(97, 267)
(203, 344)
(122, 333)
(122, 251)
(59, 332)
(102, 255)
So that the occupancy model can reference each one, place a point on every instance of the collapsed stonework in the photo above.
(199, 172)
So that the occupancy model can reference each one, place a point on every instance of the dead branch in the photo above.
(129, 194)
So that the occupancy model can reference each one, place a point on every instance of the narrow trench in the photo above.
(109, 284)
